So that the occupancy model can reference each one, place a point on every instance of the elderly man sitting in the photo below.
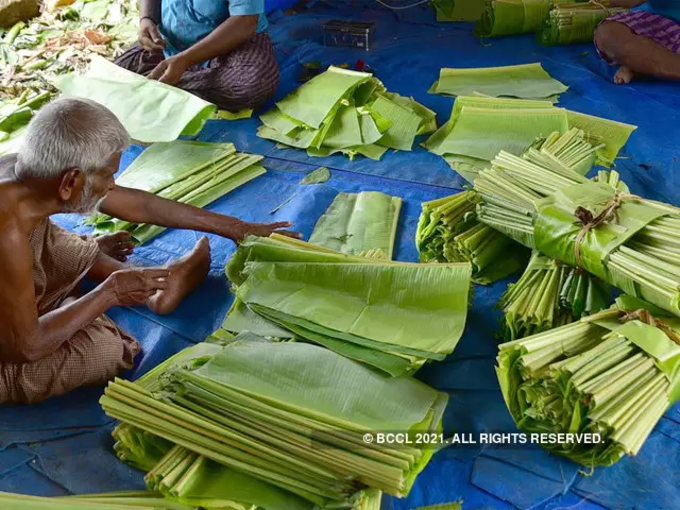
(642, 42)
(51, 339)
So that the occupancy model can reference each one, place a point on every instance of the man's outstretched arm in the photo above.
(142, 207)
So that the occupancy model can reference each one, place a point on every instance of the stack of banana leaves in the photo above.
(573, 23)
(449, 232)
(458, 10)
(194, 173)
(480, 127)
(134, 500)
(271, 425)
(514, 17)
(611, 375)
(526, 81)
(61, 40)
(355, 306)
(598, 226)
(14, 117)
(362, 224)
(349, 112)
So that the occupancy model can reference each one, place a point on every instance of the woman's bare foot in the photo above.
(118, 246)
(186, 273)
(623, 75)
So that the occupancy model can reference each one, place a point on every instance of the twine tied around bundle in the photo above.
(586, 218)
(646, 317)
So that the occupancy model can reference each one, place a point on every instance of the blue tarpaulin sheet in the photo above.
(63, 445)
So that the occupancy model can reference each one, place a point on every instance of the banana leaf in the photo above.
(598, 131)
(356, 223)
(151, 111)
(527, 81)
(112, 501)
(574, 23)
(318, 176)
(458, 10)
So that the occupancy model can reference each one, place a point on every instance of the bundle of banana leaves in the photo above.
(573, 23)
(621, 238)
(62, 40)
(15, 116)
(514, 17)
(346, 111)
(355, 306)
(139, 500)
(362, 224)
(550, 294)
(480, 127)
(449, 232)
(194, 173)
(278, 425)
(602, 382)
(526, 81)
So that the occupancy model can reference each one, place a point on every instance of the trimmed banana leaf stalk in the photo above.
(571, 24)
(135, 500)
(600, 227)
(349, 112)
(612, 374)
(278, 412)
(353, 305)
(550, 294)
(448, 232)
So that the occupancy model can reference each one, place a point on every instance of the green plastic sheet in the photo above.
(150, 111)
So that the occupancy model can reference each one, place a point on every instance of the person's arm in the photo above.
(626, 4)
(231, 34)
(26, 337)
(138, 206)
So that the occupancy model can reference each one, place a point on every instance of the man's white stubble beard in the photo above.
(87, 205)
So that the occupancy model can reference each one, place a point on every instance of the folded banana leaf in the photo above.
(290, 415)
(448, 232)
(574, 23)
(349, 112)
(359, 224)
(514, 17)
(354, 305)
(458, 10)
(194, 173)
(612, 374)
(151, 111)
(526, 81)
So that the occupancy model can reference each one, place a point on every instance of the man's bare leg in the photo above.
(186, 273)
(635, 54)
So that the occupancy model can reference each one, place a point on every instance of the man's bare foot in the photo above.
(118, 246)
(623, 75)
(186, 273)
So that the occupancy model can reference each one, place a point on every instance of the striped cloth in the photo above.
(662, 30)
(95, 354)
(242, 79)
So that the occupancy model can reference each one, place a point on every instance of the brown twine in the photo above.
(645, 316)
(601, 6)
(586, 218)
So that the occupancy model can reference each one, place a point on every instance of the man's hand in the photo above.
(133, 287)
(118, 246)
(244, 229)
(169, 70)
(149, 37)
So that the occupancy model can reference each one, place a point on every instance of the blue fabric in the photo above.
(36, 440)
(185, 22)
(668, 8)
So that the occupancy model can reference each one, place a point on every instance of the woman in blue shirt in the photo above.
(642, 42)
(216, 49)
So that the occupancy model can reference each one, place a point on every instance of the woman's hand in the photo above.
(169, 70)
(149, 37)
(243, 229)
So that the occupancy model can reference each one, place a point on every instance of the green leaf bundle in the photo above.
(573, 23)
(449, 232)
(134, 500)
(613, 374)
(289, 414)
(514, 17)
(600, 227)
(550, 294)
(393, 316)
(458, 10)
(346, 111)
(526, 81)
(193, 173)
(151, 111)
(359, 224)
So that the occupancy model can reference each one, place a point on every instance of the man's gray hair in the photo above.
(70, 133)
